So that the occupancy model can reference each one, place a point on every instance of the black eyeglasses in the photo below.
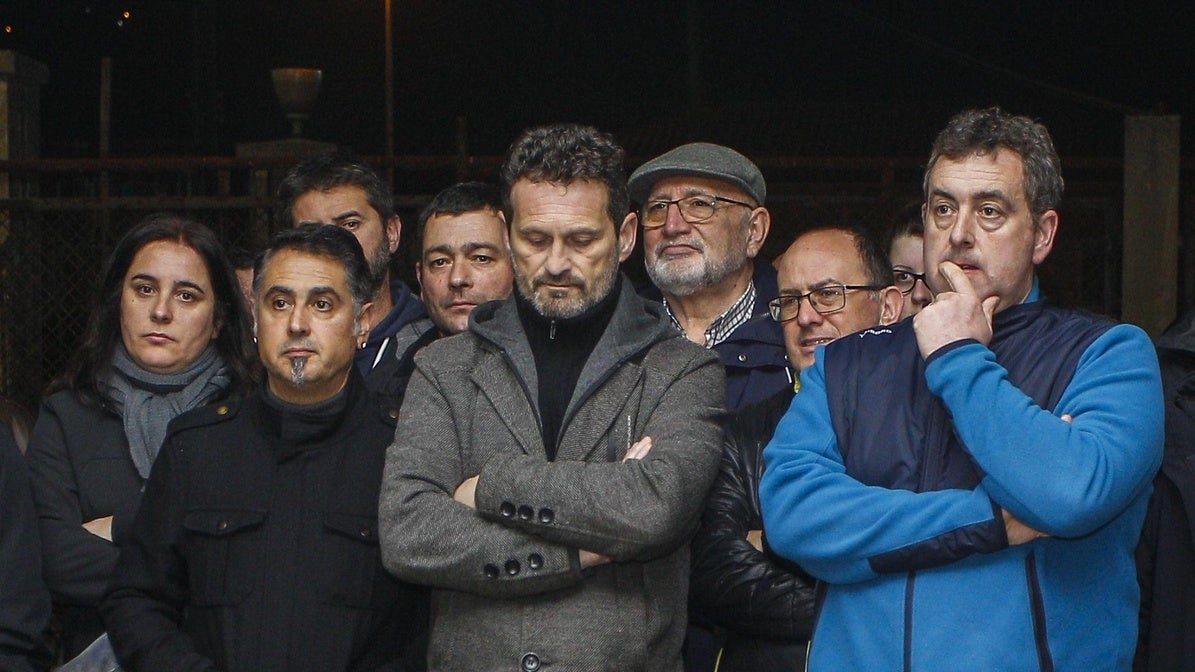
(693, 209)
(825, 300)
(906, 280)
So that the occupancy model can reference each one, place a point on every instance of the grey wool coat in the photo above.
(508, 590)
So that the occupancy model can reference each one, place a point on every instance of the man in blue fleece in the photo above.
(969, 487)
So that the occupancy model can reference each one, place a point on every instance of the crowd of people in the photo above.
(883, 449)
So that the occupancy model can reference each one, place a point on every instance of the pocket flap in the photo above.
(222, 522)
(361, 528)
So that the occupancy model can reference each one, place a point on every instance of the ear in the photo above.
(393, 231)
(364, 323)
(626, 236)
(760, 224)
(891, 302)
(1043, 236)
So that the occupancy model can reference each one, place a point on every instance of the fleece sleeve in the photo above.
(834, 526)
(1063, 478)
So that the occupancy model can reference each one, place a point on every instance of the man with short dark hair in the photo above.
(834, 281)
(969, 485)
(550, 462)
(704, 223)
(464, 258)
(255, 548)
(338, 188)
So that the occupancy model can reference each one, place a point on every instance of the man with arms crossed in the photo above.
(970, 485)
(550, 462)
(834, 281)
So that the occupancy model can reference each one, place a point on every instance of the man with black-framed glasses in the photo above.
(833, 281)
(704, 223)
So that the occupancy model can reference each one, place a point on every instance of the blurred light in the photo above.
(120, 24)
(8, 29)
(126, 15)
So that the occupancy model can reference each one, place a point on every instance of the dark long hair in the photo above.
(94, 357)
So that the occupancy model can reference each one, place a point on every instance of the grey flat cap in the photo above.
(702, 159)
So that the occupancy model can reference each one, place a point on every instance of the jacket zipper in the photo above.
(1037, 610)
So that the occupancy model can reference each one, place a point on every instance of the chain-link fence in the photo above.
(61, 219)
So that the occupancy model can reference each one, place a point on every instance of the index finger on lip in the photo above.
(956, 278)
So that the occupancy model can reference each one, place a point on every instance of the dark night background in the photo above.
(775, 78)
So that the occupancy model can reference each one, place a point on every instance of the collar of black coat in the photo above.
(296, 428)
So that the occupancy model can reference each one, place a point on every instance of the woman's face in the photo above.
(167, 307)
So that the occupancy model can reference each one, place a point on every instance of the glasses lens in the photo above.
(697, 208)
(828, 299)
(904, 281)
(655, 212)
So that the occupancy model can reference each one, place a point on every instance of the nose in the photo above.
(160, 311)
(558, 262)
(921, 296)
(297, 323)
(806, 315)
(461, 275)
(674, 223)
(962, 231)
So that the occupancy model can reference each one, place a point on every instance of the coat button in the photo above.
(530, 662)
(491, 571)
(546, 516)
(512, 567)
(223, 525)
(535, 561)
(223, 410)
(742, 358)
(507, 510)
(365, 534)
(526, 512)
(393, 413)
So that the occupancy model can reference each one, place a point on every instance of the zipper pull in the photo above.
(552, 330)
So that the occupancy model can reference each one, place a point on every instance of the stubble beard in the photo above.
(563, 307)
(685, 277)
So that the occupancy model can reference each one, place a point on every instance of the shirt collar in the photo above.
(725, 324)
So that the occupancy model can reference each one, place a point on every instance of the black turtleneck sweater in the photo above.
(561, 348)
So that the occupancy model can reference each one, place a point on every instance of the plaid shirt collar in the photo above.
(725, 324)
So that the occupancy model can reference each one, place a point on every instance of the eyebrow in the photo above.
(691, 191)
(991, 194)
(177, 283)
(313, 291)
(817, 284)
(336, 218)
(466, 248)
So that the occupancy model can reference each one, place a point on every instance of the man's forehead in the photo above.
(999, 169)
(819, 258)
(680, 186)
(338, 201)
(300, 270)
(484, 225)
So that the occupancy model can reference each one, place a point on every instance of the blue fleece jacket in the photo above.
(920, 577)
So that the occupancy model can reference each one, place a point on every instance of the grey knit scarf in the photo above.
(147, 401)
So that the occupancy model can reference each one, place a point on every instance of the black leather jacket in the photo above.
(765, 603)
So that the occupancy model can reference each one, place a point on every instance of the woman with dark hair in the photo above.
(168, 333)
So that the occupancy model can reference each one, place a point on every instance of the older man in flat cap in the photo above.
(704, 222)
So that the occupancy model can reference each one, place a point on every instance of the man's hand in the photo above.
(1018, 532)
(755, 538)
(955, 315)
(638, 450)
(466, 492)
(100, 527)
(591, 559)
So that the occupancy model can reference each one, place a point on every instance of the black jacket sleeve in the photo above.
(143, 610)
(78, 564)
(733, 584)
(24, 600)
